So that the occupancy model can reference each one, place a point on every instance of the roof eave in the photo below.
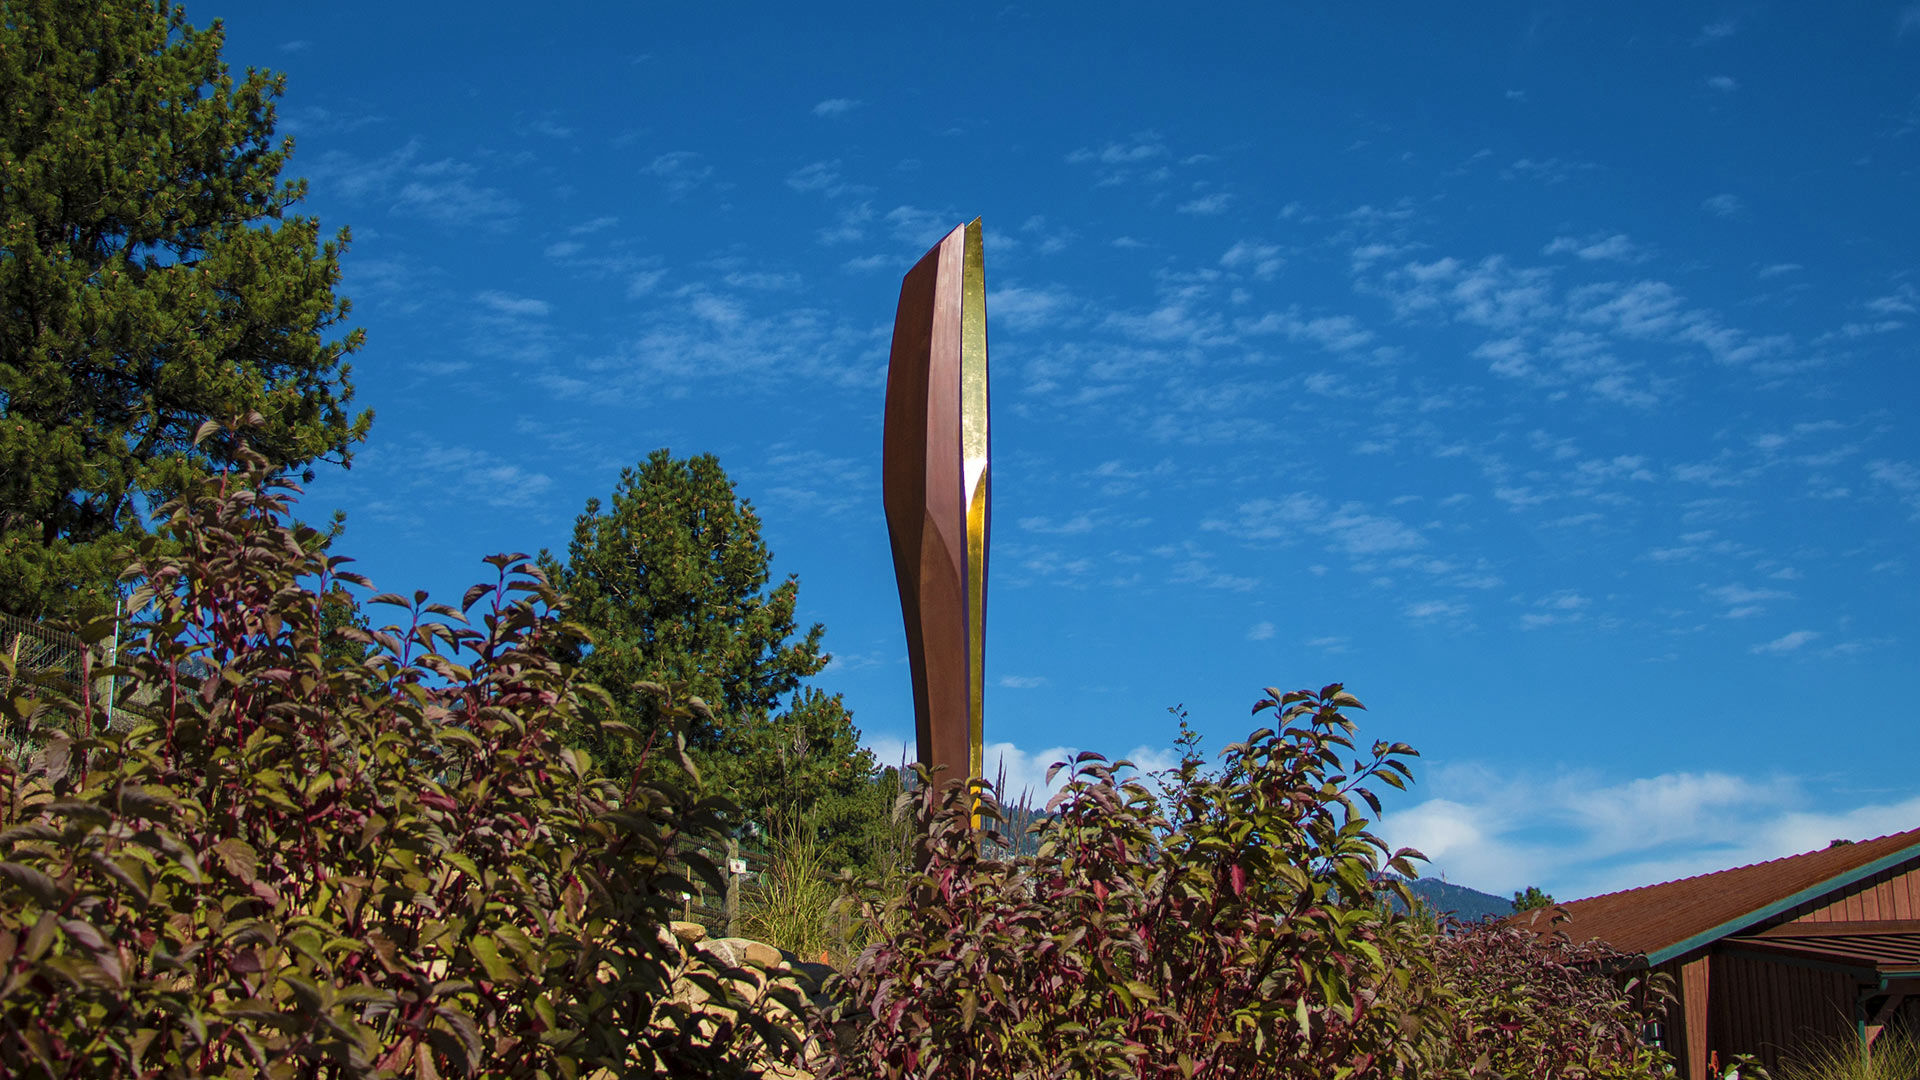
(1735, 925)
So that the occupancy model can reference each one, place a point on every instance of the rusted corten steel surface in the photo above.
(934, 472)
(1658, 917)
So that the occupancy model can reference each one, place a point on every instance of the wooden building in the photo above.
(1771, 958)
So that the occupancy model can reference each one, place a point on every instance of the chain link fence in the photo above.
(42, 655)
(46, 659)
(742, 867)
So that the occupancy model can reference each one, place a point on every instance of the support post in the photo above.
(733, 886)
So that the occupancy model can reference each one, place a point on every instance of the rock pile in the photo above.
(756, 972)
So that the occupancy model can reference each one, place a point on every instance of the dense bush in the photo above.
(1529, 1003)
(1226, 928)
(1237, 923)
(317, 861)
(324, 849)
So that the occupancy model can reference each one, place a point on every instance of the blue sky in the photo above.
(1544, 373)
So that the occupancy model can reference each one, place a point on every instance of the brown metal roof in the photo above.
(1655, 919)
(1879, 952)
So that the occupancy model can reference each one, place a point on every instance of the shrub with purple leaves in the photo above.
(303, 860)
(1225, 926)
(1528, 1003)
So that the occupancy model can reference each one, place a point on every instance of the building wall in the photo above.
(1726, 1003)
(1770, 1009)
(1755, 1005)
(1686, 1021)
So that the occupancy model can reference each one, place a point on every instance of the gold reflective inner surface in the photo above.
(973, 447)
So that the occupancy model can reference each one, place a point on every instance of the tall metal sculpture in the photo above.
(934, 468)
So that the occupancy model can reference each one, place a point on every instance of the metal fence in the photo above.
(741, 867)
(60, 662)
(41, 655)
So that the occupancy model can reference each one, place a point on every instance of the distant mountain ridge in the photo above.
(1466, 905)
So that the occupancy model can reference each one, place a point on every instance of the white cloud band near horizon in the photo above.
(1577, 834)
(1574, 834)
(1024, 771)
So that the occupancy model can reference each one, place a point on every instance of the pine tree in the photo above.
(670, 578)
(151, 278)
(1531, 898)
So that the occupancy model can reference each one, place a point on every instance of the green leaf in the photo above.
(36, 883)
(497, 969)
(239, 858)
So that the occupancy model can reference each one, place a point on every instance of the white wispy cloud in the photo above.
(1545, 170)
(1178, 321)
(1900, 477)
(1206, 205)
(1143, 156)
(708, 331)
(1557, 335)
(1252, 256)
(1743, 601)
(822, 176)
(1021, 774)
(1902, 301)
(1724, 205)
(1334, 333)
(850, 226)
(920, 228)
(1348, 527)
(447, 191)
(680, 171)
(810, 482)
(1073, 526)
(1785, 643)
(1617, 248)
(1141, 148)
(1576, 834)
(1200, 569)
(545, 126)
(644, 282)
(444, 473)
(835, 107)
(1028, 308)
(1491, 292)
(505, 304)
(1427, 610)
(315, 120)
(1049, 238)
